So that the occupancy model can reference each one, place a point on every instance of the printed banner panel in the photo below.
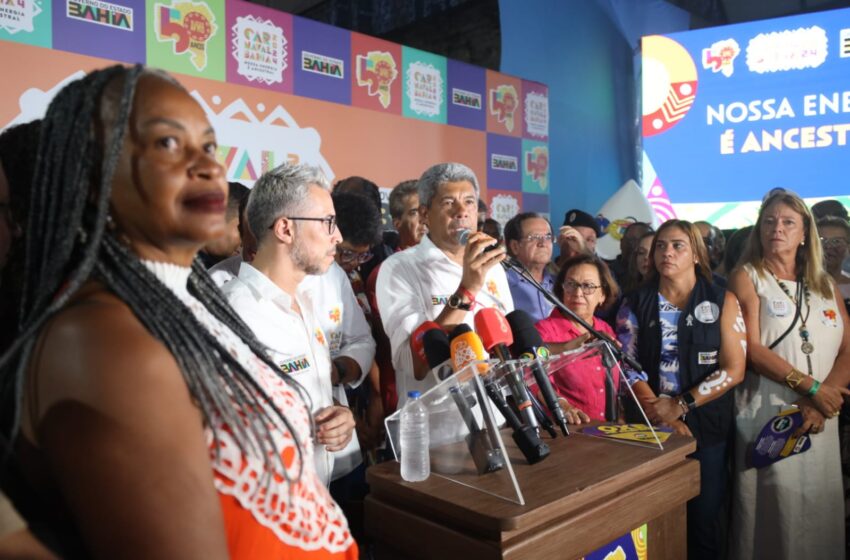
(27, 21)
(376, 83)
(504, 106)
(186, 37)
(504, 157)
(88, 26)
(259, 47)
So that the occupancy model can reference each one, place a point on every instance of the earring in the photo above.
(113, 229)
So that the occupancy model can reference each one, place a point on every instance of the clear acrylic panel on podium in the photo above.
(625, 420)
(474, 457)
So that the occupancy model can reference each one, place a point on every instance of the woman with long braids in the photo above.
(141, 417)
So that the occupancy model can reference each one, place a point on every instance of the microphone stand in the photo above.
(512, 264)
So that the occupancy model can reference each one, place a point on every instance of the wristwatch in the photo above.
(688, 399)
(456, 302)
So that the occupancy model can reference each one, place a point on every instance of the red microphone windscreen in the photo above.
(493, 328)
(416, 344)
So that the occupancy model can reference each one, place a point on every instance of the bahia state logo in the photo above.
(502, 162)
(376, 71)
(101, 13)
(321, 64)
(537, 165)
(503, 103)
(720, 57)
(189, 26)
(468, 99)
(295, 365)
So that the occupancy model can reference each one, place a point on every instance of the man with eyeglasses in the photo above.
(292, 215)
(529, 240)
(441, 279)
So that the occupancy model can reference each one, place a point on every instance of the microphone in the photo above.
(529, 345)
(416, 339)
(526, 437)
(467, 348)
(435, 343)
(463, 238)
(496, 335)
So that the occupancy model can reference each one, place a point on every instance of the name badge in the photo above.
(779, 307)
(707, 312)
(707, 358)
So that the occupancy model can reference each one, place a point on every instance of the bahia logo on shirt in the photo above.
(295, 365)
(335, 315)
(493, 289)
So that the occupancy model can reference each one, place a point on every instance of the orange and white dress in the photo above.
(267, 518)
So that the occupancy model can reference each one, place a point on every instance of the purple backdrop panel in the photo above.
(113, 28)
(467, 95)
(535, 203)
(260, 51)
(535, 116)
(322, 54)
(503, 162)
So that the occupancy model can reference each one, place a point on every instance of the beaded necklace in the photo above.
(806, 347)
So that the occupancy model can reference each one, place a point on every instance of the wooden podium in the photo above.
(588, 492)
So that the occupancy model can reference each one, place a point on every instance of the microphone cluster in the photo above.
(506, 338)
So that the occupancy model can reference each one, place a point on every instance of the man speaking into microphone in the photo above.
(452, 273)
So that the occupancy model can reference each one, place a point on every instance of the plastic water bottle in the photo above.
(415, 462)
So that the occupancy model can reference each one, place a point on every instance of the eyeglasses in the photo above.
(347, 256)
(330, 222)
(538, 238)
(586, 287)
(833, 241)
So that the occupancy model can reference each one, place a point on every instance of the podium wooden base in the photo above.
(589, 492)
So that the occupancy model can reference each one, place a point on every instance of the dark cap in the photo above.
(830, 207)
(576, 217)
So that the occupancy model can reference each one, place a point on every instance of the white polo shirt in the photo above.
(224, 271)
(340, 316)
(348, 334)
(296, 342)
(413, 287)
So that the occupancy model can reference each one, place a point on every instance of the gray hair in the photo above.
(440, 174)
(279, 192)
(398, 194)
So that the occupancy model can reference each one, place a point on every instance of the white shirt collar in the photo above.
(427, 248)
(175, 277)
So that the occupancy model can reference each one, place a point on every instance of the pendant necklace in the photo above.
(806, 347)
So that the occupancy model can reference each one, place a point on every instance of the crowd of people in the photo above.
(191, 369)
